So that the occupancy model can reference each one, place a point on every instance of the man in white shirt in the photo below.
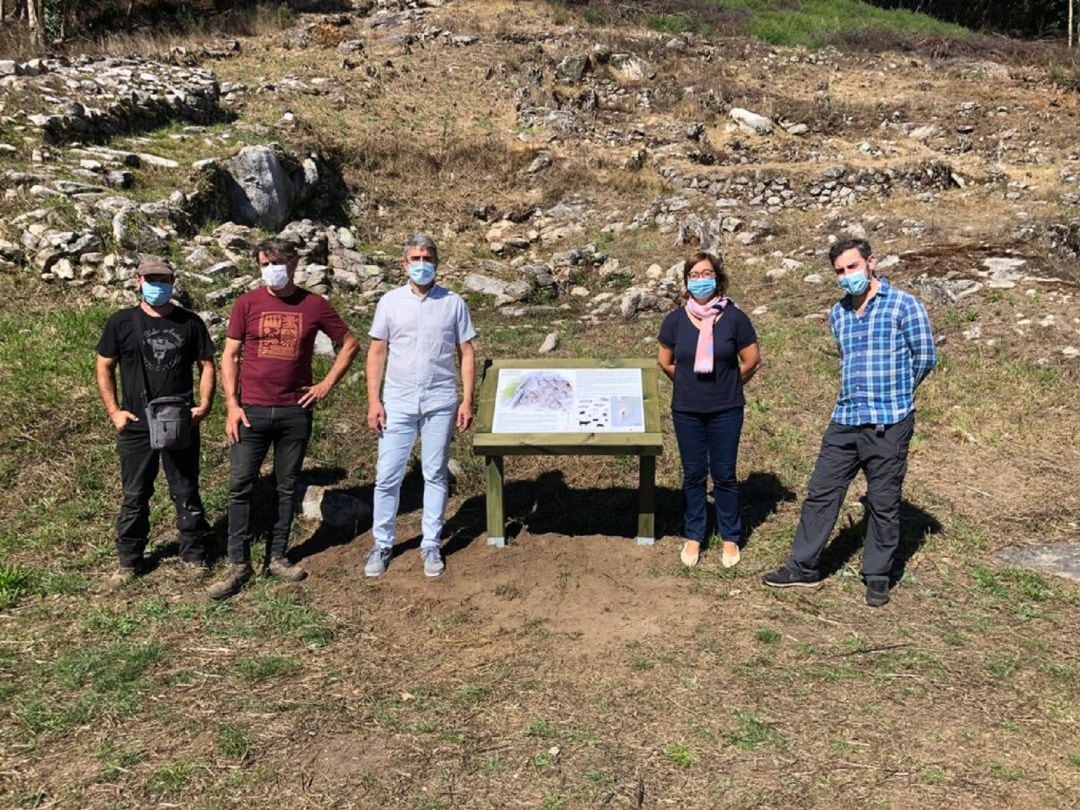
(417, 330)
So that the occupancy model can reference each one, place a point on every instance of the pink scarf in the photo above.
(707, 314)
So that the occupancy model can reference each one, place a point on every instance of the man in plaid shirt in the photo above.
(886, 350)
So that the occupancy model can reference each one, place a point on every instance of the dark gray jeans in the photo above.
(882, 456)
(287, 430)
(138, 468)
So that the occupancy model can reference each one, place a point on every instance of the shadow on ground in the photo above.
(915, 525)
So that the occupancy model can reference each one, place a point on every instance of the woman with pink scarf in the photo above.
(708, 349)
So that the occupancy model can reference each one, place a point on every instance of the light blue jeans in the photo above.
(435, 428)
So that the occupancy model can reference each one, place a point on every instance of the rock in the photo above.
(345, 238)
(630, 68)
(924, 133)
(580, 292)
(751, 122)
(571, 69)
(457, 472)
(64, 270)
(158, 162)
(333, 507)
(199, 257)
(263, 186)
(222, 296)
(551, 342)
(630, 302)
(221, 269)
(1062, 560)
(813, 278)
(324, 347)
(1070, 352)
(505, 292)
(798, 129)
(539, 163)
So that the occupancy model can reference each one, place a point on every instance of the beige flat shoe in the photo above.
(691, 549)
(730, 557)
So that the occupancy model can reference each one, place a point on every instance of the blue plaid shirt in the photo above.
(884, 355)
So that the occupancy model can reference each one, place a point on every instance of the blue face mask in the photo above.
(421, 273)
(701, 287)
(854, 283)
(157, 293)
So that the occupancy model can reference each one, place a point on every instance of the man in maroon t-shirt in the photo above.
(269, 394)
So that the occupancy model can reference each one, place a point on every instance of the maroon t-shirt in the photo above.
(279, 340)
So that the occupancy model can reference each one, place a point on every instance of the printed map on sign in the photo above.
(595, 400)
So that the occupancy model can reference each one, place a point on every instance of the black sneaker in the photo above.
(786, 578)
(877, 592)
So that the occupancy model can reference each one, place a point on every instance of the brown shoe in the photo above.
(229, 585)
(283, 569)
(122, 576)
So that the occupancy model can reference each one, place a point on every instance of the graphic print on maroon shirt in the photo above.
(278, 336)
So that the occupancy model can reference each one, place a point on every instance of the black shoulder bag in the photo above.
(168, 418)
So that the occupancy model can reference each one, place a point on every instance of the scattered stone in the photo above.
(1061, 560)
(751, 122)
(551, 342)
(333, 507)
(813, 278)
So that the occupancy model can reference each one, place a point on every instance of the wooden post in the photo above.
(496, 520)
(646, 525)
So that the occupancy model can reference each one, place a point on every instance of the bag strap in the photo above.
(136, 325)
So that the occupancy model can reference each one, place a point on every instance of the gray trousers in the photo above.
(882, 456)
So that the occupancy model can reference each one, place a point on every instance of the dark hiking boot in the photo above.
(281, 568)
(229, 585)
(877, 592)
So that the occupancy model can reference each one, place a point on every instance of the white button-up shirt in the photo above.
(423, 334)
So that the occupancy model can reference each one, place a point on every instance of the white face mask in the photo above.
(275, 276)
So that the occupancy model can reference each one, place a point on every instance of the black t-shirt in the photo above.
(170, 346)
(722, 389)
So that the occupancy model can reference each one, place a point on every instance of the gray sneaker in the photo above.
(433, 561)
(377, 561)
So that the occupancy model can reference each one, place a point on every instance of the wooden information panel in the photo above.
(553, 392)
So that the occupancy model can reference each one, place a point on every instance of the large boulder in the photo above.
(263, 186)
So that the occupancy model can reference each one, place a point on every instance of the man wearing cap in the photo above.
(166, 341)
(416, 331)
(266, 375)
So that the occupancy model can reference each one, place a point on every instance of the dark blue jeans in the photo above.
(709, 443)
(138, 469)
(287, 430)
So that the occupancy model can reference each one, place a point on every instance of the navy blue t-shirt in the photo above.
(722, 389)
